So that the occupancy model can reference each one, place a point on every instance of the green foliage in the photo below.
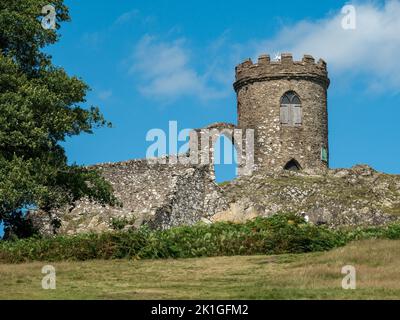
(21, 34)
(391, 231)
(282, 233)
(121, 223)
(17, 227)
(39, 109)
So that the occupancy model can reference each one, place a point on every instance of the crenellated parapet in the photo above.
(286, 68)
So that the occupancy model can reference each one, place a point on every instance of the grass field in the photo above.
(303, 276)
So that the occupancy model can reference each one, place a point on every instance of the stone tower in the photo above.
(285, 102)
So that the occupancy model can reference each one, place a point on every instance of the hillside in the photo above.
(350, 197)
(304, 276)
(359, 196)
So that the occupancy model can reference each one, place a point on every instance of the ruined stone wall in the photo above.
(204, 142)
(161, 195)
(260, 88)
(359, 196)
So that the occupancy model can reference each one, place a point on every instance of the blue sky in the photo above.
(150, 62)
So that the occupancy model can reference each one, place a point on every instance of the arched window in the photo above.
(291, 114)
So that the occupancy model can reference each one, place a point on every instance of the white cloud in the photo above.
(126, 17)
(372, 49)
(104, 95)
(165, 71)
(368, 53)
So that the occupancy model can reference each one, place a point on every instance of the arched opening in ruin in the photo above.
(292, 165)
(225, 159)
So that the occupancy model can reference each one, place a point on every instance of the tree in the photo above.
(40, 106)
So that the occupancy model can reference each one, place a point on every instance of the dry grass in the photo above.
(305, 276)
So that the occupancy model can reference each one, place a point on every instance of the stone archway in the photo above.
(206, 140)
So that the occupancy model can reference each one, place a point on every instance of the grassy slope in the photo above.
(305, 276)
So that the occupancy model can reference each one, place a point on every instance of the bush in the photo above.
(120, 223)
(282, 233)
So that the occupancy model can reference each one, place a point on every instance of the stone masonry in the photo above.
(157, 194)
(260, 88)
(283, 104)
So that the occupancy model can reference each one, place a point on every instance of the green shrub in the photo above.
(120, 223)
(281, 233)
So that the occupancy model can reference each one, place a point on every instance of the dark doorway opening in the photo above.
(292, 165)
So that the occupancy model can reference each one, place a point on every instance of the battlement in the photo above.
(267, 69)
